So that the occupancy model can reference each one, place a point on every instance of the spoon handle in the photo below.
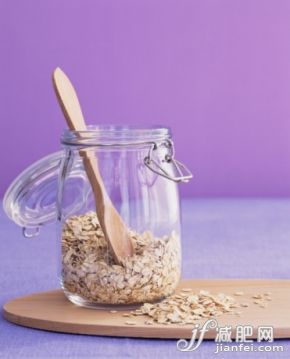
(113, 227)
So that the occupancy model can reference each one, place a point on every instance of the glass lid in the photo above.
(31, 199)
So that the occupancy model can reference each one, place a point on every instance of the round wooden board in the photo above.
(52, 311)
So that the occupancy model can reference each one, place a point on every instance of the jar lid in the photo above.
(30, 201)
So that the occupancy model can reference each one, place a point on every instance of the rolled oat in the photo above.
(89, 269)
(189, 308)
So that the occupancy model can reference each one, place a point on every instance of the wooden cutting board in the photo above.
(52, 311)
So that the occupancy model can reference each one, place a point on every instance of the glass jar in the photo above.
(140, 176)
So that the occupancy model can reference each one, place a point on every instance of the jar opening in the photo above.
(101, 135)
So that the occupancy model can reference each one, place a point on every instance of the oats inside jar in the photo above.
(90, 271)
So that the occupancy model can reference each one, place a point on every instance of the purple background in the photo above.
(217, 72)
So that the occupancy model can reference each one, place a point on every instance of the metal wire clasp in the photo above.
(183, 174)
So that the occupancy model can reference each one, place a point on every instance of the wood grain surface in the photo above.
(52, 311)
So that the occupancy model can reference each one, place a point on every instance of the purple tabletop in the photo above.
(222, 238)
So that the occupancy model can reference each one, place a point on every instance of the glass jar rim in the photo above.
(103, 135)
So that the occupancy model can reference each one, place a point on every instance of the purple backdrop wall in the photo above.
(217, 72)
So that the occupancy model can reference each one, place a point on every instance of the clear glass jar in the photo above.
(140, 176)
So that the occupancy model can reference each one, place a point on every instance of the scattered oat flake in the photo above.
(128, 322)
(126, 315)
(189, 308)
(137, 312)
(238, 313)
(113, 311)
(235, 305)
(238, 294)
(186, 290)
(245, 305)
(148, 322)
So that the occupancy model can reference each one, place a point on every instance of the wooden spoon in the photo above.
(115, 230)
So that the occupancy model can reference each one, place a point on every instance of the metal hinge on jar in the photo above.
(183, 174)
